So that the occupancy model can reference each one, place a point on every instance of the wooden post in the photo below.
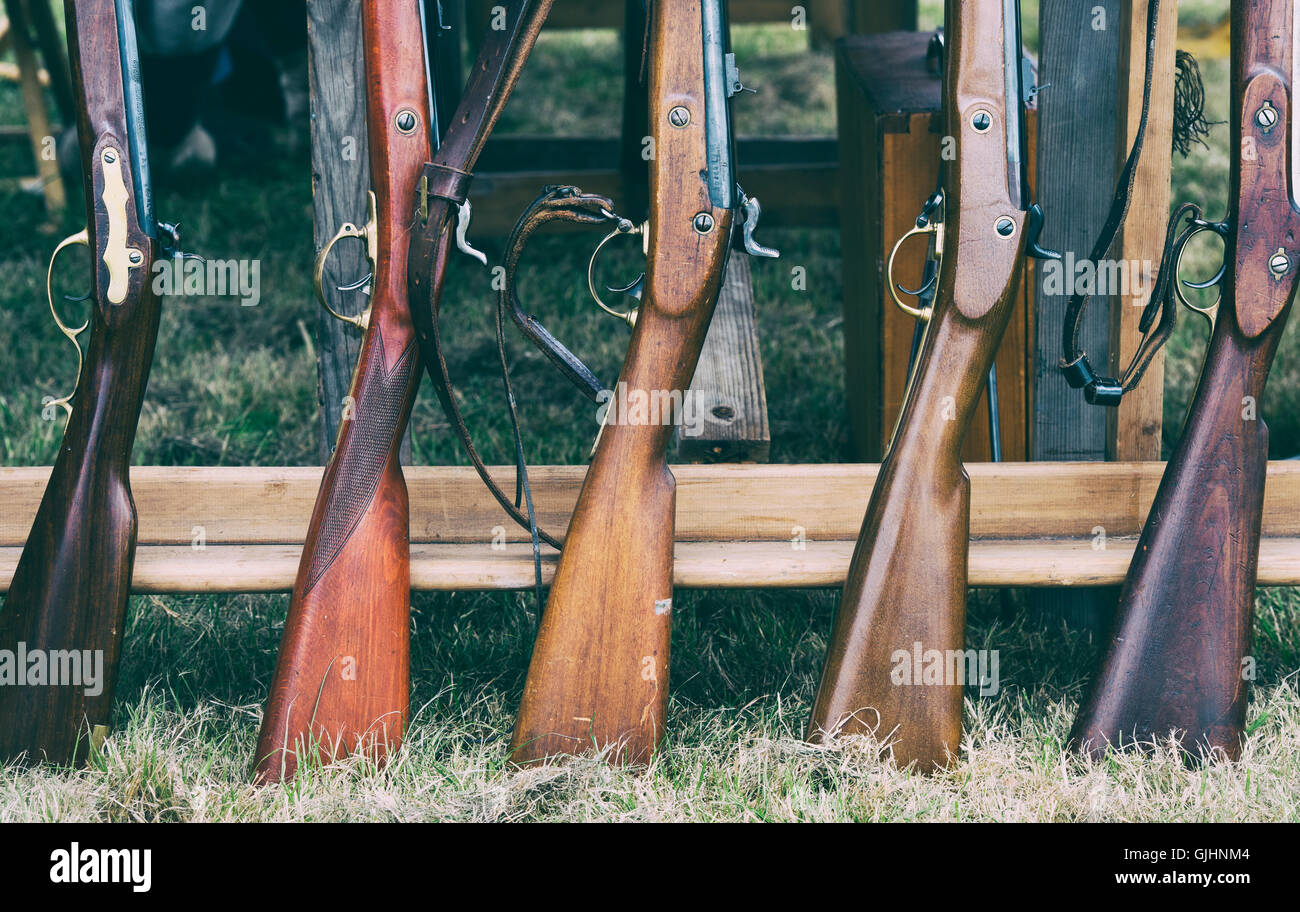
(340, 160)
(1133, 429)
(38, 119)
(871, 16)
(728, 390)
(1077, 145)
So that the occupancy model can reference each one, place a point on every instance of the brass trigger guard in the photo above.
(1210, 311)
(368, 233)
(625, 227)
(81, 238)
(923, 314)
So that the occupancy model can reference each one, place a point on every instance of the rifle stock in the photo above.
(599, 671)
(342, 681)
(1182, 633)
(72, 583)
(905, 596)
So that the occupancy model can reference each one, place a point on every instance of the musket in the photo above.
(1178, 661)
(598, 677)
(342, 680)
(906, 589)
(69, 593)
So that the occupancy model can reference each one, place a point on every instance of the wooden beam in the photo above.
(1079, 50)
(241, 529)
(593, 14)
(728, 390)
(449, 504)
(1133, 429)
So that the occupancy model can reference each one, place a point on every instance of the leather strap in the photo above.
(446, 182)
(1074, 363)
(501, 58)
(555, 204)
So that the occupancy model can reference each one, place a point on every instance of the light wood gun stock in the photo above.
(599, 671)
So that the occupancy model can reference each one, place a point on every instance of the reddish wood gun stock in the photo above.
(342, 682)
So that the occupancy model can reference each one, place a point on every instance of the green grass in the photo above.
(236, 386)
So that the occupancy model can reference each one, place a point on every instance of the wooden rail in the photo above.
(1032, 524)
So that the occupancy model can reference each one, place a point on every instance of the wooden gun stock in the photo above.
(901, 620)
(599, 671)
(342, 682)
(1174, 665)
(71, 586)
(1182, 633)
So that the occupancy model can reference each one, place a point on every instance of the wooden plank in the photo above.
(1133, 429)
(698, 565)
(340, 162)
(449, 504)
(592, 14)
(728, 393)
(505, 152)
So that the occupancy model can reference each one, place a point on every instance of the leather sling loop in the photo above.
(443, 187)
(1078, 371)
(554, 204)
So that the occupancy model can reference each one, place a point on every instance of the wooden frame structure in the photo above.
(777, 526)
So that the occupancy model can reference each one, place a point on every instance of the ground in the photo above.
(235, 386)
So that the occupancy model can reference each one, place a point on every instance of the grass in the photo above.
(236, 386)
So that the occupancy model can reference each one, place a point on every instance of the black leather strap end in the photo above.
(1104, 391)
(1078, 373)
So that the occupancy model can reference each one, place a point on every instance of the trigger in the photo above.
(920, 292)
(1033, 229)
(633, 290)
(362, 284)
(1208, 283)
(77, 299)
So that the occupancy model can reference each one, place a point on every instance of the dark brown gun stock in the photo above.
(342, 681)
(1176, 663)
(599, 671)
(73, 580)
(905, 596)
